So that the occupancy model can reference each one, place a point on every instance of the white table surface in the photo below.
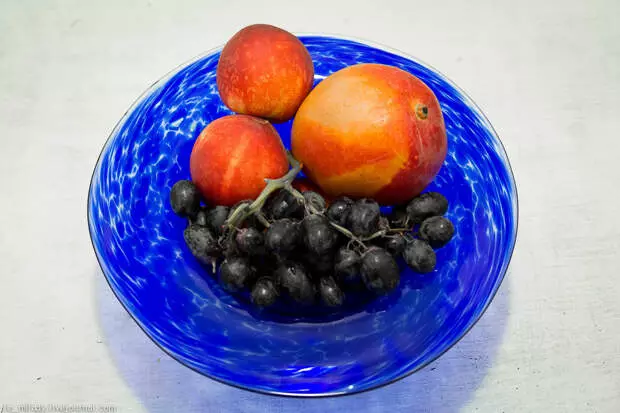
(546, 73)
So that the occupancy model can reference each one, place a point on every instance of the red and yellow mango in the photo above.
(370, 130)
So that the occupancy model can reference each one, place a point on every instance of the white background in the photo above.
(546, 73)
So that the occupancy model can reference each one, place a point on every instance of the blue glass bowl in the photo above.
(139, 244)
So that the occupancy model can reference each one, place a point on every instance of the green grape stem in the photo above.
(244, 211)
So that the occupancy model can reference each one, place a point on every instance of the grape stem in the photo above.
(245, 210)
(375, 235)
(285, 182)
(349, 234)
(263, 219)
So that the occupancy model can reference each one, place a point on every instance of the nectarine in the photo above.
(264, 71)
(370, 130)
(232, 157)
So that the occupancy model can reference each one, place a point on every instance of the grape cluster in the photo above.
(295, 247)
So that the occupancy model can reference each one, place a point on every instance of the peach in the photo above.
(264, 71)
(232, 157)
(370, 130)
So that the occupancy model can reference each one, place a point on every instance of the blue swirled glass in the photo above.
(139, 243)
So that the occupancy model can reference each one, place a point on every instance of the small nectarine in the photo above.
(264, 71)
(232, 157)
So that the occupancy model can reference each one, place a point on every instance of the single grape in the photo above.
(283, 236)
(185, 199)
(437, 231)
(398, 216)
(319, 236)
(236, 273)
(379, 271)
(315, 201)
(347, 265)
(364, 217)
(420, 256)
(330, 292)
(394, 244)
(201, 217)
(250, 241)
(216, 218)
(339, 210)
(201, 242)
(427, 205)
(265, 292)
(283, 204)
(293, 278)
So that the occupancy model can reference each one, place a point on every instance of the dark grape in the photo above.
(216, 218)
(420, 256)
(437, 231)
(319, 236)
(339, 210)
(185, 199)
(347, 264)
(379, 271)
(315, 201)
(283, 236)
(283, 204)
(364, 217)
(294, 279)
(265, 292)
(427, 205)
(394, 244)
(250, 241)
(201, 217)
(398, 216)
(330, 292)
(201, 242)
(236, 273)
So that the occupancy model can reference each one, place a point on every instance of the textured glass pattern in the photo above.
(139, 244)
